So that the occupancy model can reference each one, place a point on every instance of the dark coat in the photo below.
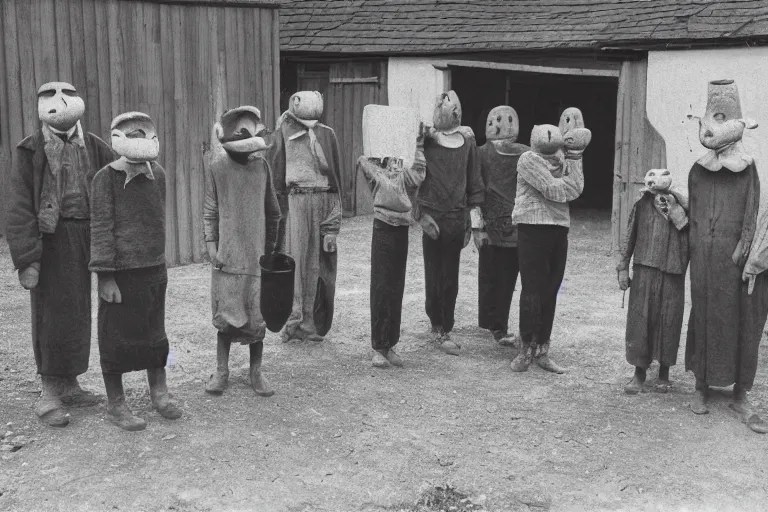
(24, 193)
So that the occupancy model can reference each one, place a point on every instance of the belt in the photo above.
(308, 190)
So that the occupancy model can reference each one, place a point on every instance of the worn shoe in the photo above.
(379, 360)
(448, 346)
(437, 333)
(699, 402)
(545, 363)
(122, 416)
(746, 413)
(522, 361)
(51, 412)
(259, 383)
(166, 406)
(217, 383)
(394, 358)
(509, 340)
(634, 386)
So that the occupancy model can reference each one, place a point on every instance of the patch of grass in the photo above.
(441, 499)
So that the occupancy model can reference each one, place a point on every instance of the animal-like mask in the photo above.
(134, 137)
(722, 123)
(575, 136)
(546, 139)
(658, 180)
(59, 105)
(502, 124)
(447, 114)
(307, 105)
(240, 130)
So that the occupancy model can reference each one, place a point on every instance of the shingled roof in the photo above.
(437, 26)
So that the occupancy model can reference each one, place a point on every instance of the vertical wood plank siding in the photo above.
(639, 147)
(182, 64)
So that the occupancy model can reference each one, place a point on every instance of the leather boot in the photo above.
(258, 382)
(75, 396)
(218, 381)
(742, 406)
(49, 407)
(118, 412)
(164, 403)
(522, 361)
(541, 356)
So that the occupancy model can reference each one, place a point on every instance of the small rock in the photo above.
(559, 435)
(169, 437)
(337, 434)
(8, 434)
(6, 448)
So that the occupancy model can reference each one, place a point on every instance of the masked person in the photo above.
(726, 321)
(547, 180)
(241, 218)
(657, 238)
(306, 171)
(128, 255)
(495, 236)
(392, 186)
(452, 187)
(49, 239)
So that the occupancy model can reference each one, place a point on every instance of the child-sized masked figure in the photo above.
(306, 169)
(241, 218)
(48, 236)
(393, 186)
(495, 235)
(547, 180)
(657, 237)
(726, 321)
(128, 254)
(452, 186)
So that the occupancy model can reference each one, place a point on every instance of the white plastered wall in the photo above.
(414, 83)
(677, 86)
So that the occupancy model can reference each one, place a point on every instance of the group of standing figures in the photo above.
(77, 205)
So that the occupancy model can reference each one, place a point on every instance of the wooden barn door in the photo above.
(352, 86)
(639, 147)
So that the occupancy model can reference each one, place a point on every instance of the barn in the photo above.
(180, 61)
(636, 68)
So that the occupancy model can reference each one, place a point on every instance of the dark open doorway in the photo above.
(540, 98)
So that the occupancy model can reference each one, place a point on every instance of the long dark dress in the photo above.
(726, 323)
(657, 294)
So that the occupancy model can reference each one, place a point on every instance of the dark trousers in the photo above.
(441, 269)
(61, 302)
(542, 252)
(496, 277)
(389, 254)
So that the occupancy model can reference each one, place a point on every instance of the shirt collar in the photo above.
(74, 134)
(132, 169)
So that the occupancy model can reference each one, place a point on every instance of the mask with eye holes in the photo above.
(447, 113)
(241, 131)
(59, 106)
(722, 123)
(135, 138)
(658, 180)
(575, 136)
(502, 124)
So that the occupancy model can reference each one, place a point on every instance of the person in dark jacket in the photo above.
(657, 238)
(241, 218)
(496, 236)
(48, 235)
(452, 187)
(128, 254)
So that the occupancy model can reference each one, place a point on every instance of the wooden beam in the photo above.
(356, 80)
(506, 66)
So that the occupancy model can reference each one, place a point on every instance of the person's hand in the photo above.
(429, 226)
(329, 243)
(481, 238)
(109, 291)
(624, 279)
(29, 277)
(213, 255)
(749, 278)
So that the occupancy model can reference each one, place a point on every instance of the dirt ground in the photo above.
(341, 436)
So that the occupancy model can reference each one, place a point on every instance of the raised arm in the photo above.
(532, 168)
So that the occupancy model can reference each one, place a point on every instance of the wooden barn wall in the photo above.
(639, 147)
(181, 64)
(352, 86)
